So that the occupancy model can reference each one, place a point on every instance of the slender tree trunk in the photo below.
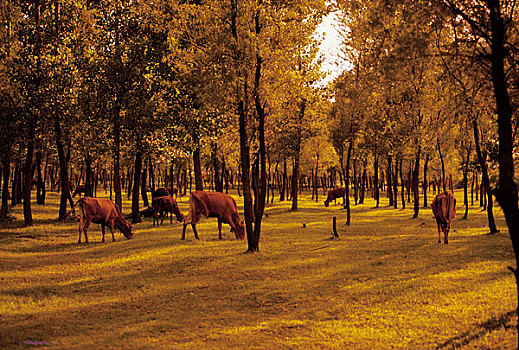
(364, 181)
(136, 217)
(416, 174)
(395, 183)
(390, 180)
(466, 182)
(197, 165)
(6, 169)
(117, 157)
(63, 167)
(28, 172)
(443, 164)
(40, 187)
(347, 184)
(402, 182)
(376, 184)
(144, 194)
(88, 183)
(425, 181)
(485, 181)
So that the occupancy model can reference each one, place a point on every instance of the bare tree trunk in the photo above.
(416, 174)
(136, 216)
(376, 184)
(485, 181)
(347, 184)
(6, 169)
(390, 180)
(425, 181)
(197, 165)
(443, 164)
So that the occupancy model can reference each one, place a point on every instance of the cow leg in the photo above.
(112, 229)
(85, 229)
(155, 218)
(184, 231)
(80, 228)
(163, 216)
(446, 236)
(219, 229)
(171, 217)
(194, 230)
(103, 230)
(439, 232)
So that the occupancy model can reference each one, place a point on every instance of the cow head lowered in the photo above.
(339, 192)
(104, 212)
(444, 210)
(217, 205)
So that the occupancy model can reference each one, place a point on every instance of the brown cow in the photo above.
(79, 190)
(166, 191)
(334, 194)
(214, 205)
(165, 205)
(444, 210)
(104, 212)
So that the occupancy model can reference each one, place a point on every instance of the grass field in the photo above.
(385, 283)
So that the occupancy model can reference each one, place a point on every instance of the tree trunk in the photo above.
(136, 216)
(28, 173)
(443, 164)
(40, 186)
(6, 169)
(395, 183)
(466, 182)
(89, 190)
(425, 181)
(376, 184)
(485, 181)
(416, 174)
(347, 184)
(390, 180)
(197, 165)
(63, 169)
(507, 191)
(144, 194)
(117, 157)
(364, 180)
(402, 182)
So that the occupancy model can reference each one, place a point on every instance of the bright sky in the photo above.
(329, 34)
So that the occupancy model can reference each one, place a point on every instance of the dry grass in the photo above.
(386, 283)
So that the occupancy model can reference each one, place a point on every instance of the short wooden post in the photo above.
(335, 234)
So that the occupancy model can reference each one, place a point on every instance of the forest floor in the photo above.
(384, 283)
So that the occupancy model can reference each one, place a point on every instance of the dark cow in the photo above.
(165, 205)
(80, 189)
(334, 194)
(160, 192)
(444, 210)
(166, 191)
(214, 205)
(104, 212)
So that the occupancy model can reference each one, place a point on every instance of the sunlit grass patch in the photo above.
(385, 283)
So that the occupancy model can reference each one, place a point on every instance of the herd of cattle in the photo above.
(212, 204)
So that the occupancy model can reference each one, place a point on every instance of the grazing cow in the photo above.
(80, 189)
(444, 210)
(166, 191)
(165, 205)
(214, 205)
(160, 192)
(334, 194)
(104, 212)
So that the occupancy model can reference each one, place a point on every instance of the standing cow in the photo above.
(444, 210)
(334, 194)
(164, 205)
(214, 205)
(79, 190)
(104, 212)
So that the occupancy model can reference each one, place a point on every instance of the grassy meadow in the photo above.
(385, 283)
